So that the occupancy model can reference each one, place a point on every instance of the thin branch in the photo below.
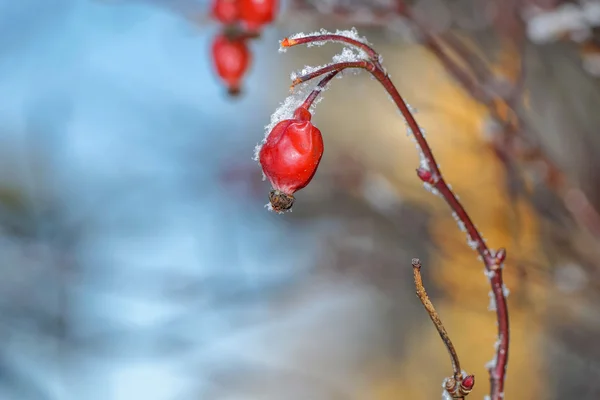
(328, 68)
(317, 90)
(458, 386)
(289, 42)
(435, 318)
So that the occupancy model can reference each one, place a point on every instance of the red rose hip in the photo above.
(290, 157)
(231, 58)
(256, 13)
(225, 11)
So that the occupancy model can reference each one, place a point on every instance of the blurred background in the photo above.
(138, 261)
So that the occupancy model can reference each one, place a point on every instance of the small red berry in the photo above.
(231, 58)
(290, 157)
(256, 13)
(225, 11)
(468, 383)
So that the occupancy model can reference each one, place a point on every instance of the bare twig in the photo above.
(458, 385)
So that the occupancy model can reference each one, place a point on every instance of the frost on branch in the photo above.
(351, 33)
(347, 55)
(492, 304)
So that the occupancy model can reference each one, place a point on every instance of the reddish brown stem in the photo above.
(328, 68)
(433, 176)
(317, 90)
(289, 42)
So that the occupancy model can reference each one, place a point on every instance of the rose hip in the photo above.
(225, 11)
(290, 157)
(231, 58)
(256, 13)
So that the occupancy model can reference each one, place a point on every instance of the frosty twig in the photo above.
(431, 176)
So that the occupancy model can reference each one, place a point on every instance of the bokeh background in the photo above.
(137, 260)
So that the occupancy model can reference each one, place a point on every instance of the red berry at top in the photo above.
(256, 13)
(231, 58)
(290, 157)
(225, 11)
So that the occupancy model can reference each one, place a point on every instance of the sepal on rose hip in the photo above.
(290, 156)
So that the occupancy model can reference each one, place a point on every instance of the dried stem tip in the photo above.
(287, 42)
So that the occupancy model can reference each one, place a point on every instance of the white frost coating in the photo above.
(497, 345)
(347, 55)
(461, 225)
(492, 304)
(487, 397)
(473, 244)
(491, 364)
(489, 274)
(430, 188)
(423, 161)
(412, 109)
(505, 291)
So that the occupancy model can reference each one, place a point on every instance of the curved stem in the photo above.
(431, 174)
(328, 68)
(317, 90)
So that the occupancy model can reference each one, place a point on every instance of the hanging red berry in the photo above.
(225, 11)
(256, 13)
(231, 58)
(290, 157)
